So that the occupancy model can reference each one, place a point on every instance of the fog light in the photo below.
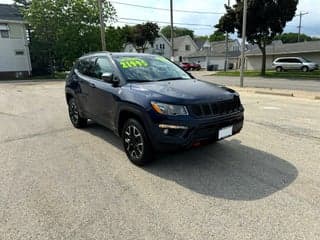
(166, 131)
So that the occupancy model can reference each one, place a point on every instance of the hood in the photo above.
(185, 90)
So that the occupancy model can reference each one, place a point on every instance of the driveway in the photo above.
(58, 182)
(259, 82)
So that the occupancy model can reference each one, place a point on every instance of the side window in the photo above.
(103, 65)
(86, 66)
(297, 60)
(284, 60)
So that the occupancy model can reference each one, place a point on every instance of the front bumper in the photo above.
(199, 131)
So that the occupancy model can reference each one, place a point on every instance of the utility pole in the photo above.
(243, 44)
(102, 25)
(300, 23)
(227, 48)
(172, 33)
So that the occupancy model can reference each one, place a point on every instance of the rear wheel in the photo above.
(279, 69)
(136, 143)
(74, 114)
(305, 69)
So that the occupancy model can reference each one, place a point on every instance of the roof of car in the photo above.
(116, 54)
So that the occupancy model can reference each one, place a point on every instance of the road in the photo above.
(57, 182)
(276, 83)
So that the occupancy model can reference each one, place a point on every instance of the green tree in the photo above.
(116, 38)
(178, 32)
(61, 31)
(266, 19)
(141, 35)
(293, 38)
(217, 36)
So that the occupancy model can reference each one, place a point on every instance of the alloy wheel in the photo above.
(73, 112)
(133, 142)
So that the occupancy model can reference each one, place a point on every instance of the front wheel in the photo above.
(136, 143)
(305, 69)
(279, 69)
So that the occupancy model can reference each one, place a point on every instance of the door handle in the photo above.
(92, 85)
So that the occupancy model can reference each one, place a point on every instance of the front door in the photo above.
(102, 94)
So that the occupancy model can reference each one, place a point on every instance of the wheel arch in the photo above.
(126, 114)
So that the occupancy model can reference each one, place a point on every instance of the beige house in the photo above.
(308, 50)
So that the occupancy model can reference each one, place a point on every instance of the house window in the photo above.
(4, 33)
(157, 46)
(188, 47)
(19, 52)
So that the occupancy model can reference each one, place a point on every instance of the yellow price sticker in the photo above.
(133, 62)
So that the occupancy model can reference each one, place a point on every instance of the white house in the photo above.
(214, 54)
(14, 51)
(161, 46)
(183, 46)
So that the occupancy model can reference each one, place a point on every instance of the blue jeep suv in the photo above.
(150, 102)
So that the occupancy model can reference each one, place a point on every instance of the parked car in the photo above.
(190, 66)
(294, 63)
(150, 102)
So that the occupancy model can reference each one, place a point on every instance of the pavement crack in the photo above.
(29, 136)
(289, 131)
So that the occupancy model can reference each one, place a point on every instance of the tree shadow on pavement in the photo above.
(226, 169)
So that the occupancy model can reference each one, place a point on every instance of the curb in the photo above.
(276, 93)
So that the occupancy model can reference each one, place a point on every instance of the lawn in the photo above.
(274, 74)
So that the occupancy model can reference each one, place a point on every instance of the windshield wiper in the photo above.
(139, 81)
(173, 78)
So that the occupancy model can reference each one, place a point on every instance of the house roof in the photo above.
(289, 48)
(217, 50)
(200, 42)
(178, 41)
(10, 13)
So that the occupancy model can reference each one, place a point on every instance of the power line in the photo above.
(163, 25)
(186, 24)
(166, 9)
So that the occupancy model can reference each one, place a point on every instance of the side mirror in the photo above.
(107, 77)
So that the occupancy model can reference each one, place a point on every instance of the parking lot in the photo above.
(57, 182)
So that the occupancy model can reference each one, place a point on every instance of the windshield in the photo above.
(149, 68)
(306, 60)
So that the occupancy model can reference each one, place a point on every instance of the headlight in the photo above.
(168, 109)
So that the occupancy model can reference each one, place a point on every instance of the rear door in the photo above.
(83, 74)
(297, 64)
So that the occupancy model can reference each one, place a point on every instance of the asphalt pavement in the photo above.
(260, 82)
(57, 182)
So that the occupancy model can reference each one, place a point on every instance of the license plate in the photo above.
(225, 132)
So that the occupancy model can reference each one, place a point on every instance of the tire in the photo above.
(279, 69)
(136, 143)
(74, 114)
(305, 69)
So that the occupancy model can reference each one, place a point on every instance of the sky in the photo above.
(310, 22)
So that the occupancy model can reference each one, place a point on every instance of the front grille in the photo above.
(216, 108)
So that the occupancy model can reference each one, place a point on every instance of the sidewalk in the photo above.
(309, 85)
